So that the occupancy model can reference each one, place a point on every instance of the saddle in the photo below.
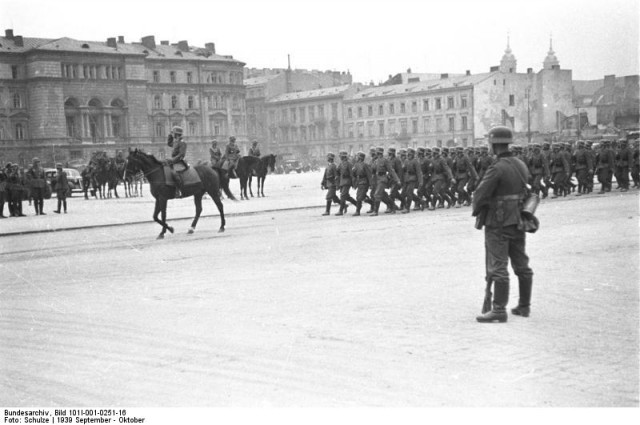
(188, 174)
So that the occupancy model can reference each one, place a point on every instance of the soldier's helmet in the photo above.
(361, 155)
(372, 150)
(500, 135)
(213, 141)
(35, 160)
(427, 150)
(411, 151)
(343, 154)
(421, 150)
(459, 149)
(402, 152)
(589, 143)
(556, 145)
(436, 150)
(391, 150)
(255, 142)
(546, 145)
(59, 166)
(176, 129)
(232, 139)
(445, 149)
(484, 148)
(580, 143)
(380, 149)
(535, 146)
(331, 155)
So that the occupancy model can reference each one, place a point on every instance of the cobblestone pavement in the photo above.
(288, 308)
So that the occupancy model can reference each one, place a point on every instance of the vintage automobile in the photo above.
(73, 177)
(291, 165)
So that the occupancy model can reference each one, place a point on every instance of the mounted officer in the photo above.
(215, 154)
(231, 157)
(177, 162)
(254, 150)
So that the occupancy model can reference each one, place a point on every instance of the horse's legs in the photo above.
(161, 207)
(197, 199)
(250, 179)
(218, 202)
(243, 188)
(261, 184)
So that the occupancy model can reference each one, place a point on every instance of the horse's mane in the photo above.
(150, 157)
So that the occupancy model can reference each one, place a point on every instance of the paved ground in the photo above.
(288, 308)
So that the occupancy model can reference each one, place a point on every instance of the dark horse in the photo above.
(154, 172)
(245, 167)
(260, 171)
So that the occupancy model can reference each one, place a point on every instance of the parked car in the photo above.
(292, 165)
(73, 177)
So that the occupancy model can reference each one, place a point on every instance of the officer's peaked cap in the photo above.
(176, 129)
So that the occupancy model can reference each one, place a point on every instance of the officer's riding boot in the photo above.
(449, 201)
(407, 206)
(500, 298)
(523, 309)
(376, 207)
(36, 205)
(343, 207)
(41, 204)
(328, 210)
(358, 206)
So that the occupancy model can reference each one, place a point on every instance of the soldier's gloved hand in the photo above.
(322, 187)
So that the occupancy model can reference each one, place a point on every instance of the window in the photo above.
(425, 105)
(172, 76)
(370, 111)
(192, 128)
(19, 132)
(350, 131)
(360, 130)
(403, 108)
(115, 125)
(156, 76)
(71, 127)
(450, 104)
(157, 102)
(320, 111)
(190, 102)
(464, 123)
(414, 126)
(463, 101)
(294, 116)
(159, 129)
(403, 127)
(17, 100)
(392, 108)
(512, 100)
(381, 110)
(438, 103)
(14, 72)
(303, 115)
(174, 102)
(414, 106)
(427, 125)
(392, 126)
(359, 111)
(189, 77)
(452, 122)
(334, 110)
(349, 113)
(312, 113)
(370, 127)
(381, 128)
(438, 125)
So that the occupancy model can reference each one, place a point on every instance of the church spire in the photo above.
(508, 62)
(551, 60)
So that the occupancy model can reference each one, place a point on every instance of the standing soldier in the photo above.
(385, 174)
(463, 172)
(412, 179)
(254, 150)
(625, 159)
(37, 182)
(449, 187)
(539, 170)
(231, 157)
(635, 169)
(497, 205)
(484, 162)
(177, 162)
(329, 182)
(16, 187)
(584, 168)
(559, 171)
(344, 182)
(606, 162)
(362, 180)
(589, 151)
(62, 185)
(3, 186)
(394, 193)
(441, 177)
(372, 186)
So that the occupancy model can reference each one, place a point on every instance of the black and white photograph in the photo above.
(319, 211)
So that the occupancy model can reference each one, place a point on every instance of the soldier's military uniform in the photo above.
(62, 185)
(538, 169)
(254, 150)
(583, 166)
(3, 191)
(231, 157)
(215, 154)
(385, 175)
(559, 171)
(16, 191)
(464, 171)
(623, 162)
(329, 182)
(176, 161)
(441, 178)
(605, 164)
(37, 183)
(362, 179)
(496, 203)
(372, 188)
(413, 178)
(394, 192)
(344, 181)
(635, 169)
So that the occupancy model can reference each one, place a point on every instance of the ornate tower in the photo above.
(508, 62)
(551, 60)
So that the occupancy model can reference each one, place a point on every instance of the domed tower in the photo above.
(508, 62)
(551, 60)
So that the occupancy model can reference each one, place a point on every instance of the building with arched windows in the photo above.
(63, 99)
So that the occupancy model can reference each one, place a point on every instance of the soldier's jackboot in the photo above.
(37, 207)
(376, 207)
(358, 206)
(524, 285)
(500, 298)
(42, 206)
(328, 210)
(343, 207)
(449, 201)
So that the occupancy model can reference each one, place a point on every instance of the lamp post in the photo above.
(578, 131)
(528, 95)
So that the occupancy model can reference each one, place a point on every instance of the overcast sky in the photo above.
(371, 39)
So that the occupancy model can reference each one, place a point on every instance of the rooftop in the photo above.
(325, 92)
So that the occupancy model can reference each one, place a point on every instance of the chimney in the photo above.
(468, 72)
(610, 81)
(164, 42)
(529, 70)
(111, 42)
(408, 70)
(444, 76)
(18, 40)
(494, 69)
(149, 42)
(183, 46)
(211, 47)
(8, 34)
(121, 39)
